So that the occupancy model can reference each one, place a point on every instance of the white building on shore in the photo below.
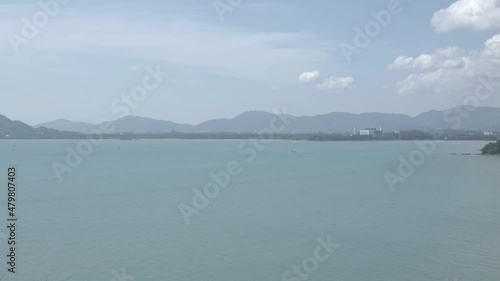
(370, 132)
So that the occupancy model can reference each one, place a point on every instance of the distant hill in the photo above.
(129, 124)
(17, 129)
(482, 119)
(10, 128)
(254, 121)
(67, 125)
(345, 122)
(251, 121)
(135, 124)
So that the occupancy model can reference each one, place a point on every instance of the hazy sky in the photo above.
(258, 54)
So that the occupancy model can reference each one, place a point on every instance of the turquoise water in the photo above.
(119, 209)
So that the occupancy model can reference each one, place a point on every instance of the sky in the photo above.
(89, 60)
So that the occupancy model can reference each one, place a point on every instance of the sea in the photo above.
(239, 210)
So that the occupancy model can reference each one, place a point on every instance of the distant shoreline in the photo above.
(283, 137)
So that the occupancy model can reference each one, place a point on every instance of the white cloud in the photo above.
(426, 82)
(449, 71)
(309, 77)
(449, 57)
(335, 83)
(327, 84)
(470, 14)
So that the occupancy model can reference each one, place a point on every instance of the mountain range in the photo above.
(17, 129)
(480, 119)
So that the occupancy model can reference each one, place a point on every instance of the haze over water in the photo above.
(119, 209)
